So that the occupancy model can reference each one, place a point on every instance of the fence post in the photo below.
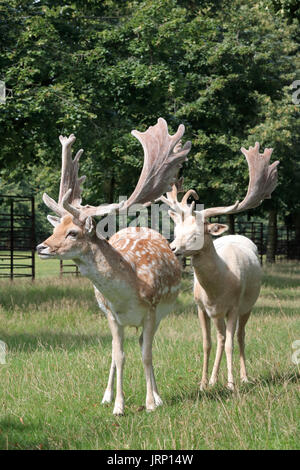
(17, 237)
(261, 242)
(32, 238)
(11, 239)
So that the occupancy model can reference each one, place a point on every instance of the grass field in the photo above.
(58, 360)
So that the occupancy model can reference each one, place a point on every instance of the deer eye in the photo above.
(72, 233)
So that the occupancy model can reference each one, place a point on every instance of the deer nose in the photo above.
(175, 250)
(173, 246)
(40, 248)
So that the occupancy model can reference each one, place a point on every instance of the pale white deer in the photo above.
(135, 274)
(227, 272)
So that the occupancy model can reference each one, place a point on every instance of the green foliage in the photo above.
(100, 69)
(279, 128)
(289, 8)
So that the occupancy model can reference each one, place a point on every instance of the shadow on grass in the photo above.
(286, 268)
(15, 435)
(51, 340)
(14, 295)
(216, 393)
(220, 393)
(277, 378)
(48, 340)
(182, 308)
(280, 282)
(274, 311)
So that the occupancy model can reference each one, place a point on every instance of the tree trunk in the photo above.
(230, 221)
(296, 243)
(297, 227)
(272, 236)
(111, 190)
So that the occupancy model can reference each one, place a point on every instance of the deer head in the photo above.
(192, 228)
(74, 227)
(69, 239)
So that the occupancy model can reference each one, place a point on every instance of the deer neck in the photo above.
(210, 270)
(107, 269)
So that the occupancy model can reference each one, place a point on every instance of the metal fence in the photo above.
(287, 247)
(253, 230)
(73, 268)
(18, 241)
(17, 237)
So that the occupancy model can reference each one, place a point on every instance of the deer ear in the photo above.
(175, 217)
(53, 220)
(217, 229)
(89, 225)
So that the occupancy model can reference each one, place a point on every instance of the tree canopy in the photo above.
(101, 69)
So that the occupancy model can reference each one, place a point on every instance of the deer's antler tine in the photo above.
(179, 184)
(262, 177)
(78, 155)
(214, 211)
(262, 182)
(272, 178)
(189, 193)
(161, 164)
(172, 200)
(69, 171)
(163, 156)
(53, 205)
(69, 191)
(68, 207)
(172, 195)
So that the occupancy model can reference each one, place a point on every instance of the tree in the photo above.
(279, 128)
(289, 8)
(100, 69)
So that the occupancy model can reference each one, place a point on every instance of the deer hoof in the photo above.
(118, 410)
(203, 386)
(151, 407)
(107, 397)
(212, 383)
(158, 401)
(230, 386)
(245, 380)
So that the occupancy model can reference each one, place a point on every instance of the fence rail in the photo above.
(63, 266)
(17, 234)
(17, 239)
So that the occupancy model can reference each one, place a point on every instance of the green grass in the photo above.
(58, 360)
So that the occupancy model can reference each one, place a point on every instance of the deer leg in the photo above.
(206, 338)
(241, 341)
(158, 401)
(230, 330)
(118, 360)
(109, 392)
(221, 335)
(148, 335)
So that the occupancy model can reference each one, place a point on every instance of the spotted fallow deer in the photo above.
(135, 274)
(227, 272)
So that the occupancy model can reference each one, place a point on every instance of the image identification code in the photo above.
(154, 459)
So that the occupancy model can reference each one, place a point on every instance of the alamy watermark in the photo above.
(3, 352)
(296, 353)
(2, 92)
(156, 219)
(296, 94)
